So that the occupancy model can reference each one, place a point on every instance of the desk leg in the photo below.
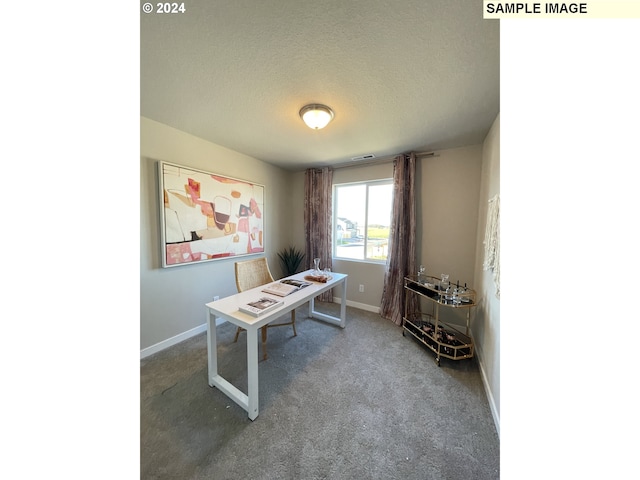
(212, 347)
(248, 402)
(343, 305)
(252, 373)
(341, 322)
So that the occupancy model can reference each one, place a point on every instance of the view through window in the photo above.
(362, 218)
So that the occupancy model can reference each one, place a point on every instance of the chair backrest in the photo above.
(252, 273)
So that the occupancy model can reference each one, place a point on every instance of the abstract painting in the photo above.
(205, 216)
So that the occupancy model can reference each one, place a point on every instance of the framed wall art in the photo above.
(205, 216)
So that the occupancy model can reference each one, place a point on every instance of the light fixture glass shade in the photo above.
(316, 116)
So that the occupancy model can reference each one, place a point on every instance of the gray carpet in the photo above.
(360, 403)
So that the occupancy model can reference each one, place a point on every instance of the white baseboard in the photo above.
(169, 342)
(487, 390)
(358, 305)
(203, 328)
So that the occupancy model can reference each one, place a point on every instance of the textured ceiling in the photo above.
(400, 75)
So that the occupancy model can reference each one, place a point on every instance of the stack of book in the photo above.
(260, 306)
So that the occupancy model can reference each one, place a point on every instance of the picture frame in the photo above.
(206, 216)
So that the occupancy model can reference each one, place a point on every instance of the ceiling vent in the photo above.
(368, 156)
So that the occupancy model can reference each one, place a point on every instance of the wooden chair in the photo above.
(251, 274)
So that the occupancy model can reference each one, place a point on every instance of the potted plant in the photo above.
(290, 258)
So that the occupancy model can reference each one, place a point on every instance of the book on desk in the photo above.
(260, 306)
(285, 287)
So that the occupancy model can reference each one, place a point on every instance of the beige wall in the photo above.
(172, 299)
(448, 186)
(447, 189)
(486, 327)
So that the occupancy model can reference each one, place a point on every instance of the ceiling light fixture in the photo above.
(316, 116)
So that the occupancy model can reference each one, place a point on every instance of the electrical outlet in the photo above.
(361, 288)
(216, 298)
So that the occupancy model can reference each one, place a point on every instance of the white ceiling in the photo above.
(400, 75)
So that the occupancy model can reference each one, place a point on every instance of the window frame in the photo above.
(334, 211)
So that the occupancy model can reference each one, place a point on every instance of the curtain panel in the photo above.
(401, 260)
(318, 187)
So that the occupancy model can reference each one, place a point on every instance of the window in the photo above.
(362, 219)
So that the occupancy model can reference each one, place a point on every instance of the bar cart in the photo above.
(444, 339)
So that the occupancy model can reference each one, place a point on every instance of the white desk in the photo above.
(227, 308)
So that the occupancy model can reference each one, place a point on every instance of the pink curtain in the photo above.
(317, 220)
(401, 260)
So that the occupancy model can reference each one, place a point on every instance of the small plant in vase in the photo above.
(290, 258)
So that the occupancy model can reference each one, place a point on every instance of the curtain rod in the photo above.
(382, 160)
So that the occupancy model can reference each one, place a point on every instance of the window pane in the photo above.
(362, 218)
(350, 216)
(379, 221)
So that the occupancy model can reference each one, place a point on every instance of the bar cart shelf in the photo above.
(444, 339)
